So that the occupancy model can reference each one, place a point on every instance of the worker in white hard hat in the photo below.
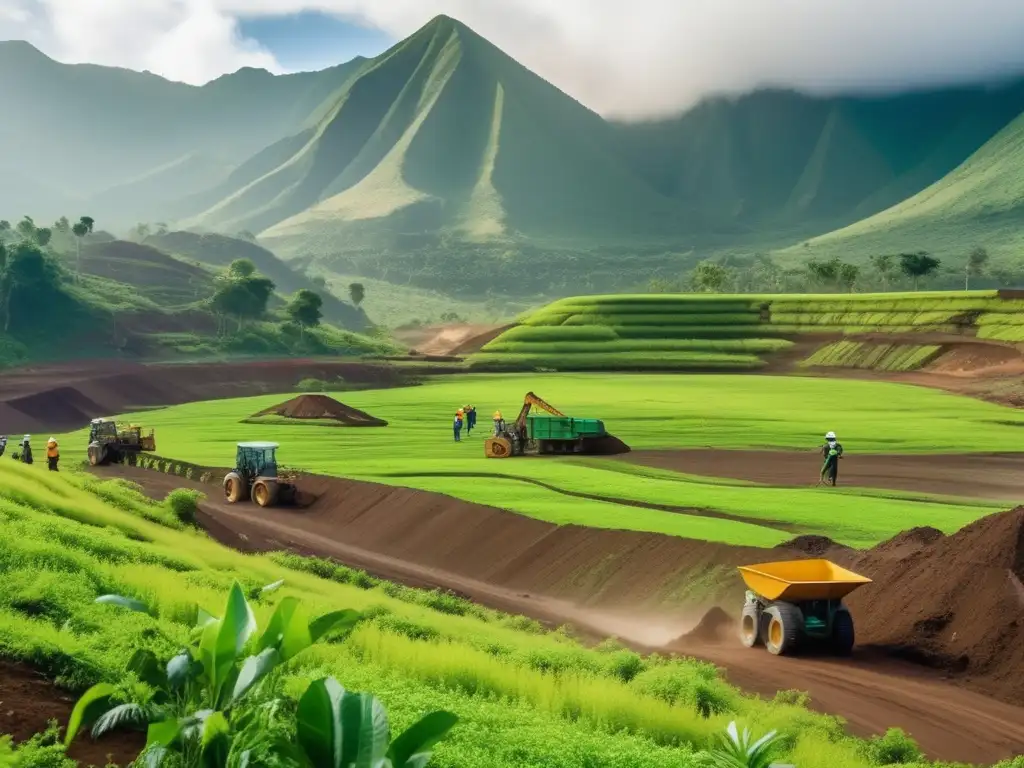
(832, 451)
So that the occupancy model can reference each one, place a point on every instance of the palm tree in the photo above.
(81, 228)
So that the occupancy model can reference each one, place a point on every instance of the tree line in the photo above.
(762, 274)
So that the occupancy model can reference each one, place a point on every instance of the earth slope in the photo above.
(445, 133)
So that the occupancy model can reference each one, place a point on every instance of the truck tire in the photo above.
(842, 633)
(750, 631)
(264, 492)
(97, 454)
(785, 623)
(235, 488)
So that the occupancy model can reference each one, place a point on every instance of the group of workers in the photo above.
(25, 454)
(465, 416)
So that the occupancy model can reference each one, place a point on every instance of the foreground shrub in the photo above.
(184, 503)
(894, 748)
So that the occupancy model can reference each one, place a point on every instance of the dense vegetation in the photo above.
(96, 575)
(70, 291)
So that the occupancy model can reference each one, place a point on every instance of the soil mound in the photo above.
(953, 602)
(715, 625)
(322, 407)
(909, 541)
(813, 546)
(609, 445)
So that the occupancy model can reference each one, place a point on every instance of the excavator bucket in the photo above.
(497, 448)
(795, 581)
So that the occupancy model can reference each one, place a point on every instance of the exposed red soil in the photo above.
(28, 701)
(975, 359)
(628, 584)
(322, 407)
(63, 397)
(453, 339)
(980, 476)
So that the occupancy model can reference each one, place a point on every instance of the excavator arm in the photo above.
(529, 402)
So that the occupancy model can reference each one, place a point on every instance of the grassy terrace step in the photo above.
(730, 332)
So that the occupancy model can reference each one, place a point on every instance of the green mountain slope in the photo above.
(445, 135)
(783, 161)
(980, 203)
(219, 251)
(86, 129)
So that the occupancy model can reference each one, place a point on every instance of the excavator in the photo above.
(555, 433)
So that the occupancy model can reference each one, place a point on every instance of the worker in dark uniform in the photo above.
(831, 451)
(470, 419)
(3, 444)
(26, 450)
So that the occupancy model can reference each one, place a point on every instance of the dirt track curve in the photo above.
(979, 476)
(629, 584)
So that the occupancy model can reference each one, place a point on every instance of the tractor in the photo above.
(798, 602)
(556, 433)
(113, 443)
(256, 477)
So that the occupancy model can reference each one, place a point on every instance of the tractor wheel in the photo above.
(750, 632)
(497, 448)
(97, 455)
(235, 488)
(842, 633)
(264, 492)
(785, 623)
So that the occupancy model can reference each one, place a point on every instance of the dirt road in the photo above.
(562, 575)
(979, 476)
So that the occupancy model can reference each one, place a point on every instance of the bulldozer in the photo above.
(796, 603)
(556, 433)
(256, 477)
(114, 443)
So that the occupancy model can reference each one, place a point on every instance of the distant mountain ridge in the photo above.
(443, 155)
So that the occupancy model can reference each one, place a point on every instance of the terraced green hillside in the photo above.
(980, 203)
(724, 333)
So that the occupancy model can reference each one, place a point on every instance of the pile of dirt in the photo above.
(322, 407)
(952, 602)
(716, 625)
(609, 445)
(813, 546)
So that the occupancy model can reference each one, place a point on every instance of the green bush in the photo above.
(894, 748)
(184, 503)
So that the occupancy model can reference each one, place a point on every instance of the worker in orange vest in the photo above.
(458, 425)
(499, 423)
(52, 454)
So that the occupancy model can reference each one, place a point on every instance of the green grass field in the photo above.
(647, 411)
(525, 697)
(732, 332)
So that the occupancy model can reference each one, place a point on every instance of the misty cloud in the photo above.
(637, 58)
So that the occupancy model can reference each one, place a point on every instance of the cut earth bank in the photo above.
(945, 601)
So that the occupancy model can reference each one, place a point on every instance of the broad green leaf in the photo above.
(280, 621)
(216, 740)
(417, 740)
(123, 602)
(179, 670)
(155, 756)
(93, 703)
(223, 640)
(146, 667)
(364, 724)
(163, 733)
(118, 717)
(319, 723)
(272, 587)
(203, 617)
(253, 670)
(335, 620)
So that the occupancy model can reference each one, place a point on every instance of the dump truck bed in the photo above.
(799, 580)
(563, 427)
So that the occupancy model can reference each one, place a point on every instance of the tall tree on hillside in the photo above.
(709, 277)
(357, 293)
(918, 265)
(26, 276)
(304, 309)
(62, 225)
(848, 274)
(977, 262)
(825, 273)
(241, 293)
(885, 266)
(80, 229)
(242, 269)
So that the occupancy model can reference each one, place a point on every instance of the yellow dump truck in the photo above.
(795, 602)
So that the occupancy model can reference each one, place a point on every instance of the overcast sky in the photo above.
(623, 58)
